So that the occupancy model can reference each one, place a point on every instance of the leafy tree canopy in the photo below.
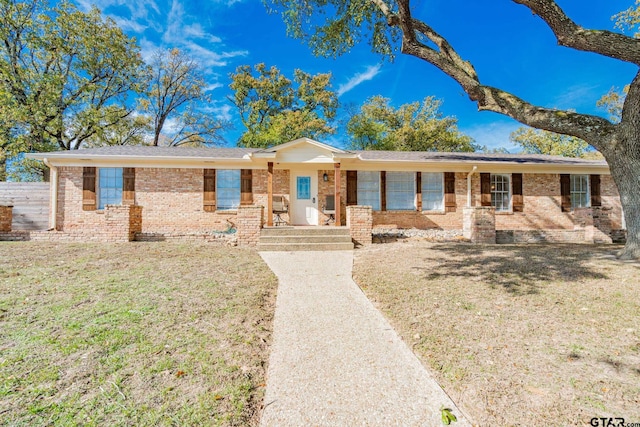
(67, 73)
(275, 109)
(64, 75)
(411, 127)
(536, 141)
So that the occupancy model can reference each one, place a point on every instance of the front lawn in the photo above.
(133, 334)
(517, 335)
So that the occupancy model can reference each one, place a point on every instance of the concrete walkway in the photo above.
(335, 361)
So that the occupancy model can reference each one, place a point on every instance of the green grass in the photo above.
(132, 334)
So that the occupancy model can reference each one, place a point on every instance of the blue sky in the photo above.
(509, 47)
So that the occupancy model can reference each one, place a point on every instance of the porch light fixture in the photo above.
(325, 177)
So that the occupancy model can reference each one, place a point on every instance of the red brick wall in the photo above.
(172, 201)
(428, 219)
(541, 207)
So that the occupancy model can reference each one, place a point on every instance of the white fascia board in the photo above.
(341, 156)
(77, 160)
(483, 166)
(263, 155)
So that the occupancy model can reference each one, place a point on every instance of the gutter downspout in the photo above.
(469, 185)
(53, 180)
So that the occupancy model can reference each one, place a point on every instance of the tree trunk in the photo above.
(625, 170)
(3, 166)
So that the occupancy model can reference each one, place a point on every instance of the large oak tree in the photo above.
(274, 109)
(64, 76)
(65, 73)
(418, 126)
(332, 27)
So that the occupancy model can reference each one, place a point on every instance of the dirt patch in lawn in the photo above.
(133, 334)
(517, 335)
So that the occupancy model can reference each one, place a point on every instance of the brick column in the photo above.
(122, 222)
(360, 224)
(596, 224)
(6, 218)
(248, 224)
(601, 224)
(479, 224)
(135, 221)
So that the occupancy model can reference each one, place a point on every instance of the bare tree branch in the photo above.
(570, 34)
(588, 127)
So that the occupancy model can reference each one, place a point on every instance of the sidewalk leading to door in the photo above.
(335, 360)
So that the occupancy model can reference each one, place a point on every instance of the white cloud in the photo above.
(219, 111)
(578, 96)
(493, 135)
(129, 24)
(212, 87)
(208, 58)
(173, 30)
(147, 49)
(223, 112)
(171, 126)
(196, 31)
(368, 74)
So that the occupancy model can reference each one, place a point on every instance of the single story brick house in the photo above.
(137, 192)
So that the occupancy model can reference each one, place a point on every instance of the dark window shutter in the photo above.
(89, 189)
(352, 188)
(209, 190)
(383, 191)
(419, 191)
(565, 192)
(246, 192)
(449, 191)
(485, 189)
(128, 186)
(517, 196)
(594, 184)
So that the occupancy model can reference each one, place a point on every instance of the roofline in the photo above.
(470, 161)
(81, 156)
(349, 159)
(324, 146)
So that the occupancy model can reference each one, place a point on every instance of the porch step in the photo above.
(305, 239)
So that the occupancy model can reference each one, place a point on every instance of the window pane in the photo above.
(500, 192)
(303, 185)
(369, 189)
(227, 189)
(109, 187)
(401, 190)
(432, 191)
(580, 191)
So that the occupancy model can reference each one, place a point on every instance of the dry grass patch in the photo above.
(517, 335)
(133, 334)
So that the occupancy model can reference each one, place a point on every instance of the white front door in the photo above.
(304, 198)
